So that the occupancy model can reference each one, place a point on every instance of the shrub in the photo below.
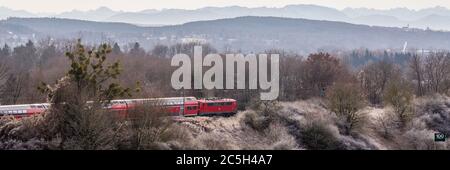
(415, 139)
(345, 100)
(399, 96)
(435, 113)
(386, 125)
(148, 125)
(316, 135)
(256, 121)
(213, 142)
(262, 115)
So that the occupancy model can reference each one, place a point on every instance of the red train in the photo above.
(175, 106)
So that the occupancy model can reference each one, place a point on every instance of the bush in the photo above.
(435, 113)
(148, 126)
(213, 142)
(399, 96)
(262, 115)
(87, 129)
(345, 100)
(278, 135)
(387, 125)
(256, 121)
(415, 139)
(316, 135)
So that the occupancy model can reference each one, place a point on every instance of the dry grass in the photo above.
(304, 124)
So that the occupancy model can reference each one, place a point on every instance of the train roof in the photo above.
(167, 100)
(158, 99)
(22, 106)
(210, 100)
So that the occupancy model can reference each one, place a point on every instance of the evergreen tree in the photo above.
(5, 51)
(25, 56)
(137, 50)
(116, 49)
(81, 124)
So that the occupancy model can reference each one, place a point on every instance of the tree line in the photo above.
(24, 67)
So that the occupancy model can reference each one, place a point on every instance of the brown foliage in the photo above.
(345, 100)
(319, 72)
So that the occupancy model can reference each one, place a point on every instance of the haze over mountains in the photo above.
(247, 34)
(436, 18)
(298, 28)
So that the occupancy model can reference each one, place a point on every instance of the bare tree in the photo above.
(417, 72)
(14, 88)
(399, 96)
(160, 50)
(3, 72)
(345, 100)
(437, 72)
(374, 78)
(320, 71)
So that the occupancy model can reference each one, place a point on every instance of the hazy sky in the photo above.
(136, 5)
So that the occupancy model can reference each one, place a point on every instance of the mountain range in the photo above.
(436, 18)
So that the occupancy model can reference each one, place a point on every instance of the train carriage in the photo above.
(172, 106)
(23, 110)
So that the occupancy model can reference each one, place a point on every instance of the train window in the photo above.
(228, 103)
(215, 104)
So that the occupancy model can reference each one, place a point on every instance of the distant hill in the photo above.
(398, 17)
(6, 12)
(179, 16)
(242, 33)
(52, 26)
(301, 34)
(100, 14)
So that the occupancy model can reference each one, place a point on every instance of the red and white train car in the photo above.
(181, 106)
(23, 110)
(175, 106)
